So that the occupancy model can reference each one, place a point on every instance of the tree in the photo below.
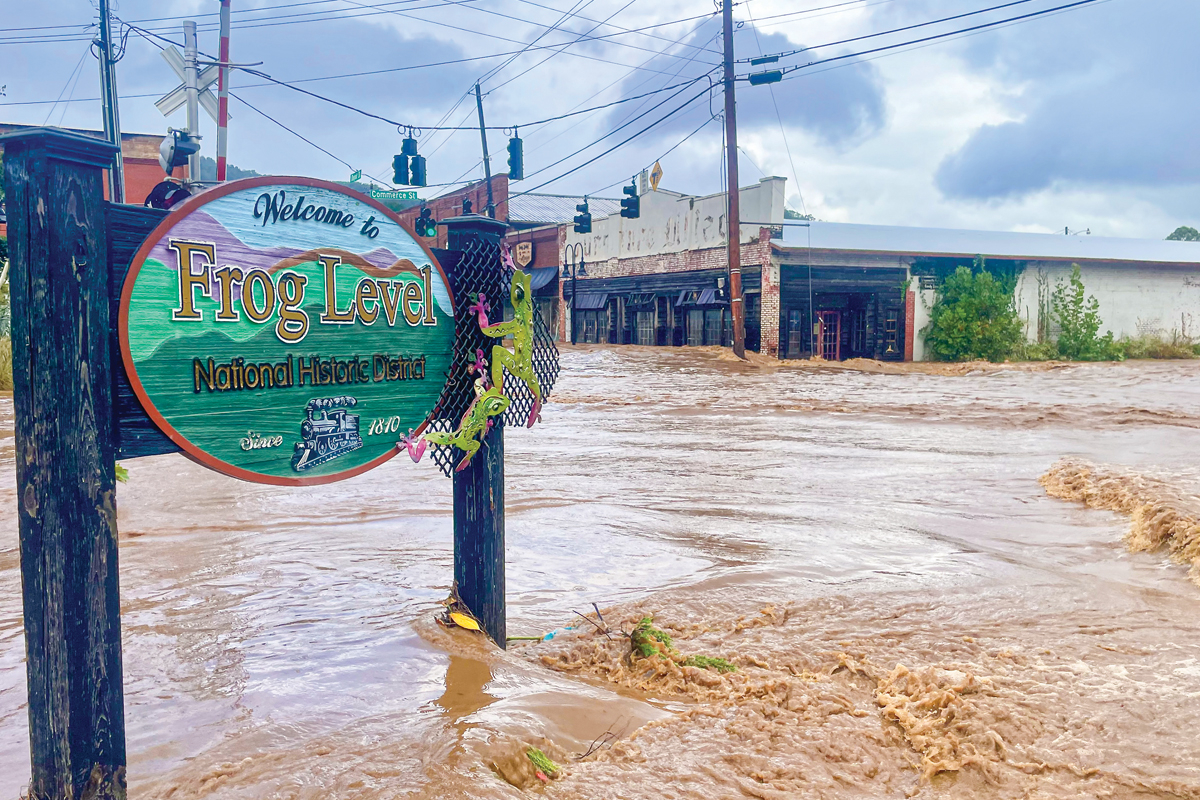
(1184, 234)
(789, 213)
(1078, 317)
(974, 316)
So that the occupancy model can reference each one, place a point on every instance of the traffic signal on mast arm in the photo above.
(516, 159)
(418, 171)
(400, 170)
(631, 206)
(425, 224)
(583, 220)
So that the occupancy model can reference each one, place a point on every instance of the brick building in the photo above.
(661, 279)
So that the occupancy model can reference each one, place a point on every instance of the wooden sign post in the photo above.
(279, 330)
(66, 462)
(479, 489)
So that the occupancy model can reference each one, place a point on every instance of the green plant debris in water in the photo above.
(542, 762)
(122, 474)
(648, 640)
(707, 662)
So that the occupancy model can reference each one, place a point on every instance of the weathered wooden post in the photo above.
(479, 489)
(63, 385)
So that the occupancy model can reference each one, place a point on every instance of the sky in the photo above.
(1083, 120)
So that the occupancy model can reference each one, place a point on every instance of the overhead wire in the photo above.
(926, 24)
(934, 37)
(782, 132)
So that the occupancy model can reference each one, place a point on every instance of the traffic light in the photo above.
(175, 149)
(425, 224)
(409, 146)
(400, 170)
(631, 206)
(583, 220)
(418, 170)
(516, 159)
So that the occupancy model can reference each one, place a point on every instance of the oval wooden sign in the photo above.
(286, 330)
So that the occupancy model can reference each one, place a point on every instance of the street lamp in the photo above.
(573, 267)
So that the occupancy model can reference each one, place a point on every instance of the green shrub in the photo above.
(1035, 351)
(973, 317)
(6, 365)
(1157, 347)
(1078, 318)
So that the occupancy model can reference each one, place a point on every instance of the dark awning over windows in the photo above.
(640, 300)
(590, 301)
(697, 297)
(541, 276)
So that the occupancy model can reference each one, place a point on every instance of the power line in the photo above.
(782, 132)
(616, 130)
(787, 53)
(623, 142)
(298, 135)
(936, 37)
(661, 157)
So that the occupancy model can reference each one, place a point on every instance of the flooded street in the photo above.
(910, 612)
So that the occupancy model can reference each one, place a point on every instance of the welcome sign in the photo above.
(286, 331)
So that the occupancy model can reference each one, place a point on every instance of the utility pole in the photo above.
(487, 164)
(733, 228)
(193, 94)
(112, 116)
(223, 94)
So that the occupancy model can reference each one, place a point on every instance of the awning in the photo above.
(697, 297)
(637, 299)
(590, 301)
(541, 276)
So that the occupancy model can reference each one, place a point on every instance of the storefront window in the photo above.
(645, 327)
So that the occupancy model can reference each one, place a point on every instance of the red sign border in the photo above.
(170, 221)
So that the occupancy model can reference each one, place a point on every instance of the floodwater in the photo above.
(909, 611)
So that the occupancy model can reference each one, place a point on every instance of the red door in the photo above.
(829, 336)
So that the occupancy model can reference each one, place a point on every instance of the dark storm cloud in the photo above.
(839, 107)
(1109, 97)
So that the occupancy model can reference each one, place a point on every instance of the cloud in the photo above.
(839, 107)
(1108, 98)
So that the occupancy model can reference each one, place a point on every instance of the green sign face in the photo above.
(285, 330)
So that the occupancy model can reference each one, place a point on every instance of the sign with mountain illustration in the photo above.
(286, 330)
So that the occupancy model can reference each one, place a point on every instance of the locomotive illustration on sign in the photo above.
(328, 432)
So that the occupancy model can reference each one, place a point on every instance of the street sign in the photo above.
(286, 330)
(523, 254)
(354, 176)
(655, 176)
(175, 98)
(395, 194)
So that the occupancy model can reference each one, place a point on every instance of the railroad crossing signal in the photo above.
(175, 98)
(631, 206)
(583, 220)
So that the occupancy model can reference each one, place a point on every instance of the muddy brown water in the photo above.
(910, 612)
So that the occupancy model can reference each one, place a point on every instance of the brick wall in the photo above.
(451, 205)
(910, 319)
(756, 252)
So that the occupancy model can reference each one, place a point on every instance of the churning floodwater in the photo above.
(910, 612)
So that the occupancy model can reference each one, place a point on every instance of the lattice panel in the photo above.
(481, 269)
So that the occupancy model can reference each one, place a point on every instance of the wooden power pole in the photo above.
(733, 228)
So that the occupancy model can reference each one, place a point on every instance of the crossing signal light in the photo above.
(516, 159)
(400, 170)
(418, 171)
(426, 225)
(175, 149)
(631, 206)
(583, 220)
